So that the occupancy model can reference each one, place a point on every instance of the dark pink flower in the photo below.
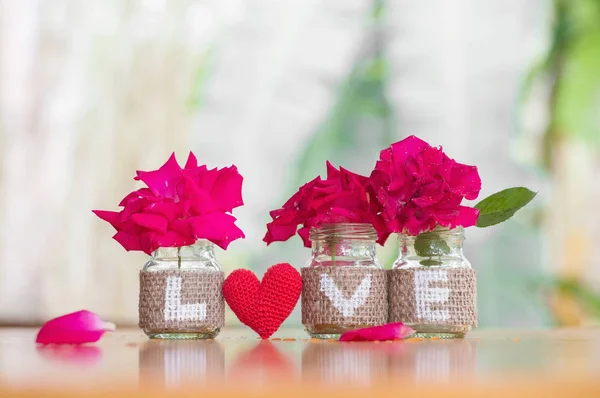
(178, 207)
(420, 187)
(344, 197)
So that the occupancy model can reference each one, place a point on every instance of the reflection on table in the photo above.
(335, 363)
(435, 361)
(237, 359)
(178, 362)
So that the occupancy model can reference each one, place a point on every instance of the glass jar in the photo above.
(344, 283)
(432, 286)
(181, 293)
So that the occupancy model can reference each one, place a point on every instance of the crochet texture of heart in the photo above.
(263, 306)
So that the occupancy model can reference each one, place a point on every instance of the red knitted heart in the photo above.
(263, 306)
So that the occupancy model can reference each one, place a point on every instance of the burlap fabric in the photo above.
(433, 296)
(182, 301)
(344, 296)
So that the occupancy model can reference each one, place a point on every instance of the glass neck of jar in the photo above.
(202, 249)
(440, 242)
(344, 239)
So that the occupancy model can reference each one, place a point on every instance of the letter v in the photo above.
(345, 306)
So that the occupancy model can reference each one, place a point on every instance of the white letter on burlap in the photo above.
(426, 295)
(341, 303)
(174, 310)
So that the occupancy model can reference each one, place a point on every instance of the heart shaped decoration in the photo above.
(263, 306)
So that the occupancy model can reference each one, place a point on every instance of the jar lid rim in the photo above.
(362, 231)
(440, 231)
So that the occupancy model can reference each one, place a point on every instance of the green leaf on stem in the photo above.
(502, 205)
(429, 262)
(430, 244)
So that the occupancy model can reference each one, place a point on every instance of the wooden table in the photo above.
(561, 363)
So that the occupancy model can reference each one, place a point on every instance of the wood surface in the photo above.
(543, 363)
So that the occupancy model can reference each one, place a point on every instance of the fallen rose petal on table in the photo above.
(76, 328)
(391, 331)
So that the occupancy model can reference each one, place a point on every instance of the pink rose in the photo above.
(420, 187)
(344, 197)
(178, 207)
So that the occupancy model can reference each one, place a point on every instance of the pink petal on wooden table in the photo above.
(391, 331)
(75, 328)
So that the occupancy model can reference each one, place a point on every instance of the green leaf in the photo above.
(430, 244)
(502, 205)
(429, 262)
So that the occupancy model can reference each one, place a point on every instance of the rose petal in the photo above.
(432, 158)
(343, 215)
(128, 241)
(112, 217)
(153, 222)
(197, 199)
(75, 328)
(465, 217)
(416, 220)
(217, 227)
(380, 227)
(464, 180)
(391, 331)
(391, 204)
(192, 161)
(408, 147)
(145, 193)
(430, 194)
(135, 205)
(294, 201)
(321, 205)
(168, 239)
(359, 186)
(305, 235)
(332, 172)
(226, 192)
(163, 182)
(204, 178)
(278, 232)
(169, 210)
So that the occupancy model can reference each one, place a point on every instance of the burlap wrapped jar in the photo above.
(432, 287)
(181, 293)
(344, 283)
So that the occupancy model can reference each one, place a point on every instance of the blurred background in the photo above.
(91, 91)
